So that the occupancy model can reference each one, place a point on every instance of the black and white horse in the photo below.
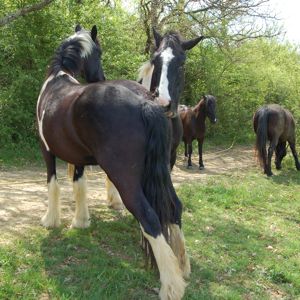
(107, 124)
(163, 76)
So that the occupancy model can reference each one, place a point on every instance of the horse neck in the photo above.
(200, 110)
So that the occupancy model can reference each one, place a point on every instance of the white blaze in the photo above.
(163, 89)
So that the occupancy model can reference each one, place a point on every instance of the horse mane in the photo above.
(69, 54)
(145, 72)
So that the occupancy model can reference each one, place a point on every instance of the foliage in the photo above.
(243, 75)
(243, 79)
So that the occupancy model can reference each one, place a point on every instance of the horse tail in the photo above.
(156, 180)
(262, 135)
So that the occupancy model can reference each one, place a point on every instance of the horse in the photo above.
(275, 124)
(193, 122)
(163, 76)
(127, 135)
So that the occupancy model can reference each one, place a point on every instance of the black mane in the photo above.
(68, 56)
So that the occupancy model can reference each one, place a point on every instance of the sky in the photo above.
(289, 12)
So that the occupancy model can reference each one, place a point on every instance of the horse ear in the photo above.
(94, 33)
(157, 38)
(187, 45)
(78, 28)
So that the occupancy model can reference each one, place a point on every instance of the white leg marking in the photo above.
(163, 89)
(82, 217)
(52, 216)
(178, 246)
(172, 283)
(113, 197)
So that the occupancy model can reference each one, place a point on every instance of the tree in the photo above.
(223, 20)
(24, 11)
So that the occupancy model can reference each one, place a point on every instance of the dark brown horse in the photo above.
(106, 124)
(163, 76)
(193, 122)
(276, 124)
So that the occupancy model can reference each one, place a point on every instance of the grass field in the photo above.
(242, 232)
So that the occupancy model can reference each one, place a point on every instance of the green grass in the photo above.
(242, 234)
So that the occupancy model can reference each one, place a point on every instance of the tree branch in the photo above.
(24, 11)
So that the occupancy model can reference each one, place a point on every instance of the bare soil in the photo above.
(23, 192)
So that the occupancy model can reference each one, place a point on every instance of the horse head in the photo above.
(166, 68)
(79, 54)
(91, 67)
(210, 108)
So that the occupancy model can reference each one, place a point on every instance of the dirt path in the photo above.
(23, 193)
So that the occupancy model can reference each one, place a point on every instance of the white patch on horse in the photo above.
(82, 216)
(145, 74)
(41, 131)
(52, 216)
(163, 89)
(61, 73)
(86, 42)
(40, 120)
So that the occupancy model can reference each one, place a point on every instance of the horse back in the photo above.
(280, 122)
(82, 117)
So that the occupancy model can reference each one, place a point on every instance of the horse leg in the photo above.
(171, 277)
(177, 240)
(82, 217)
(113, 197)
(52, 216)
(271, 149)
(185, 149)
(280, 153)
(190, 150)
(293, 148)
(172, 282)
(200, 144)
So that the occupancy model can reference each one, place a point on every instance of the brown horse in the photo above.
(106, 124)
(193, 122)
(276, 124)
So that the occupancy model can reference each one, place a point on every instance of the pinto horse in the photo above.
(106, 124)
(193, 122)
(163, 76)
(276, 124)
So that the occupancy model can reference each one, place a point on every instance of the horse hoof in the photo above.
(77, 223)
(50, 222)
(189, 167)
(270, 174)
(201, 167)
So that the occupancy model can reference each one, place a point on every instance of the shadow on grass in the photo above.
(102, 262)
(287, 176)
